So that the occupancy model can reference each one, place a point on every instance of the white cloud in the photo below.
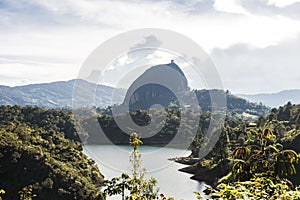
(63, 33)
(210, 30)
(15, 73)
(230, 6)
(282, 3)
(247, 69)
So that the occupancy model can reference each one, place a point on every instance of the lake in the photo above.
(112, 160)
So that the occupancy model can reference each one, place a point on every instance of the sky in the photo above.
(254, 44)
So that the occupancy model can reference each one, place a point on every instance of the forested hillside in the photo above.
(235, 104)
(41, 153)
(41, 158)
(284, 123)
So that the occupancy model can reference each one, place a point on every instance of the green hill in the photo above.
(285, 124)
(40, 156)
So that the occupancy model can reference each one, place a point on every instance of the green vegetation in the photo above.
(235, 104)
(137, 187)
(170, 125)
(258, 172)
(237, 108)
(60, 121)
(40, 157)
(237, 135)
(1, 193)
(261, 160)
(41, 154)
(237, 132)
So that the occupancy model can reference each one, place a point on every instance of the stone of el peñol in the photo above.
(161, 84)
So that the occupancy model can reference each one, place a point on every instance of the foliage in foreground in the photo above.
(258, 172)
(137, 186)
(256, 188)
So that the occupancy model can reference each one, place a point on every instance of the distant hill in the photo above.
(59, 95)
(56, 94)
(274, 99)
(235, 104)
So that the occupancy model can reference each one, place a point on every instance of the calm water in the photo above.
(113, 160)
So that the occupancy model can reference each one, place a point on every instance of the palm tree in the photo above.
(267, 160)
(241, 170)
(284, 164)
(241, 152)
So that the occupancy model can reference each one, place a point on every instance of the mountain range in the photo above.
(274, 99)
(59, 94)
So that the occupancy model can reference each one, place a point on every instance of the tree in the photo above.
(1, 193)
(258, 172)
(138, 186)
(39, 158)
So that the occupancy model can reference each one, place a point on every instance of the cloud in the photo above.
(143, 50)
(20, 70)
(229, 6)
(211, 24)
(126, 68)
(150, 40)
(282, 3)
(247, 69)
(273, 8)
(42, 35)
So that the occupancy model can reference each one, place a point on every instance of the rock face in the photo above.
(161, 84)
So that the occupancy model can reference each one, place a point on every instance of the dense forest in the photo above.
(254, 160)
(238, 109)
(41, 158)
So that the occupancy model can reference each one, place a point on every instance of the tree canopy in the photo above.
(40, 157)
